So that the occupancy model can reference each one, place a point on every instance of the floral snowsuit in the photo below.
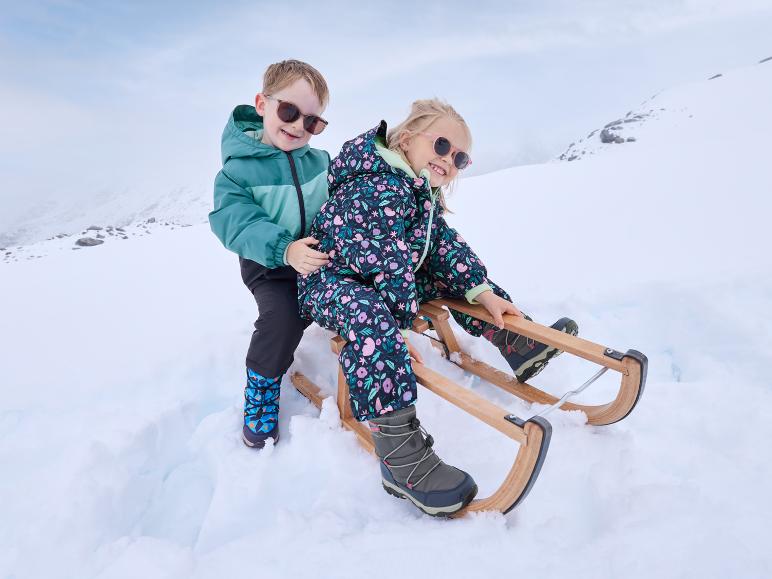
(374, 227)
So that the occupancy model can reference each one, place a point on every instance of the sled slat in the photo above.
(571, 344)
(468, 401)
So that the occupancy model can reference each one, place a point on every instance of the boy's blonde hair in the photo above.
(282, 74)
(422, 114)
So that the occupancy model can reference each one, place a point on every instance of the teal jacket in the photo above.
(264, 198)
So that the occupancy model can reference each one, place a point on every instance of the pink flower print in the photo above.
(358, 237)
(331, 253)
(351, 335)
(367, 164)
(369, 347)
(379, 366)
(459, 238)
(442, 251)
(362, 317)
(409, 276)
(376, 231)
(352, 163)
(401, 245)
(387, 385)
(427, 205)
(378, 406)
(392, 265)
(461, 267)
(389, 211)
(365, 243)
(337, 220)
(380, 187)
(384, 326)
(361, 372)
(407, 396)
(415, 256)
(419, 182)
(359, 141)
(358, 218)
(379, 277)
(337, 164)
(327, 294)
(413, 307)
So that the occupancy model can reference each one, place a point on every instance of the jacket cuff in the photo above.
(280, 250)
(284, 257)
(476, 291)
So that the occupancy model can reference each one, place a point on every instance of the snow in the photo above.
(123, 374)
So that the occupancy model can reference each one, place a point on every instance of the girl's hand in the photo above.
(497, 306)
(304, 259)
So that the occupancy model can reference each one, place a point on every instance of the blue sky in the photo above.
(102, 100)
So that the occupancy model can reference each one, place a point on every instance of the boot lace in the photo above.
(428, 440)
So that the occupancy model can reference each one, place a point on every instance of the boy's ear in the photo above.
(260, 104)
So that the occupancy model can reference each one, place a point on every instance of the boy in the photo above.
(266, 195)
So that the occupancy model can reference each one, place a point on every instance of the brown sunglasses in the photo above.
(289, 113)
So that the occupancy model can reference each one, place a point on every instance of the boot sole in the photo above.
(254, 445)
(432, 511)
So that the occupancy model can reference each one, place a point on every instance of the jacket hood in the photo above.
(242, 133)
(360, 156)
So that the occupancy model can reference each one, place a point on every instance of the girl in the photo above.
(391, 250)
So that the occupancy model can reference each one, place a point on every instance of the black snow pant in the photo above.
(279, 327)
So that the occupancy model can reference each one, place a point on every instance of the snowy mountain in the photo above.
(123, 374)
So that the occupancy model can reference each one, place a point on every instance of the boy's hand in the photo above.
(497, 306)
(304, 259)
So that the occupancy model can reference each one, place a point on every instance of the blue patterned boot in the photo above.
(261, 409)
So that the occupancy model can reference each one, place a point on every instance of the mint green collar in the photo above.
(398, 162)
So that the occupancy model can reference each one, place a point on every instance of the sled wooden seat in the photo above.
(532, 435)
(632, 365)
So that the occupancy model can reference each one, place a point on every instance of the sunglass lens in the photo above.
(442, 146)
(313, 124)
(461, 160)
(288, 112)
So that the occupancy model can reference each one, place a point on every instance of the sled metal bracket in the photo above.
(614, 354)
(515, 420)
(570, 394)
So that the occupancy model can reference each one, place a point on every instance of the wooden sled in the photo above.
(532, 434)
(632, 365)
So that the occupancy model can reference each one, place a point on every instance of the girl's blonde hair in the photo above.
(422, 114)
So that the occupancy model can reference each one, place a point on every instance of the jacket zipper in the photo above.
(428, 234)
(301, 204)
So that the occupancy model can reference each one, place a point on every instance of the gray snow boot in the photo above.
(410, 469)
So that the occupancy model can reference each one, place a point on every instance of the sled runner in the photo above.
(631, 365)
(533, 434)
